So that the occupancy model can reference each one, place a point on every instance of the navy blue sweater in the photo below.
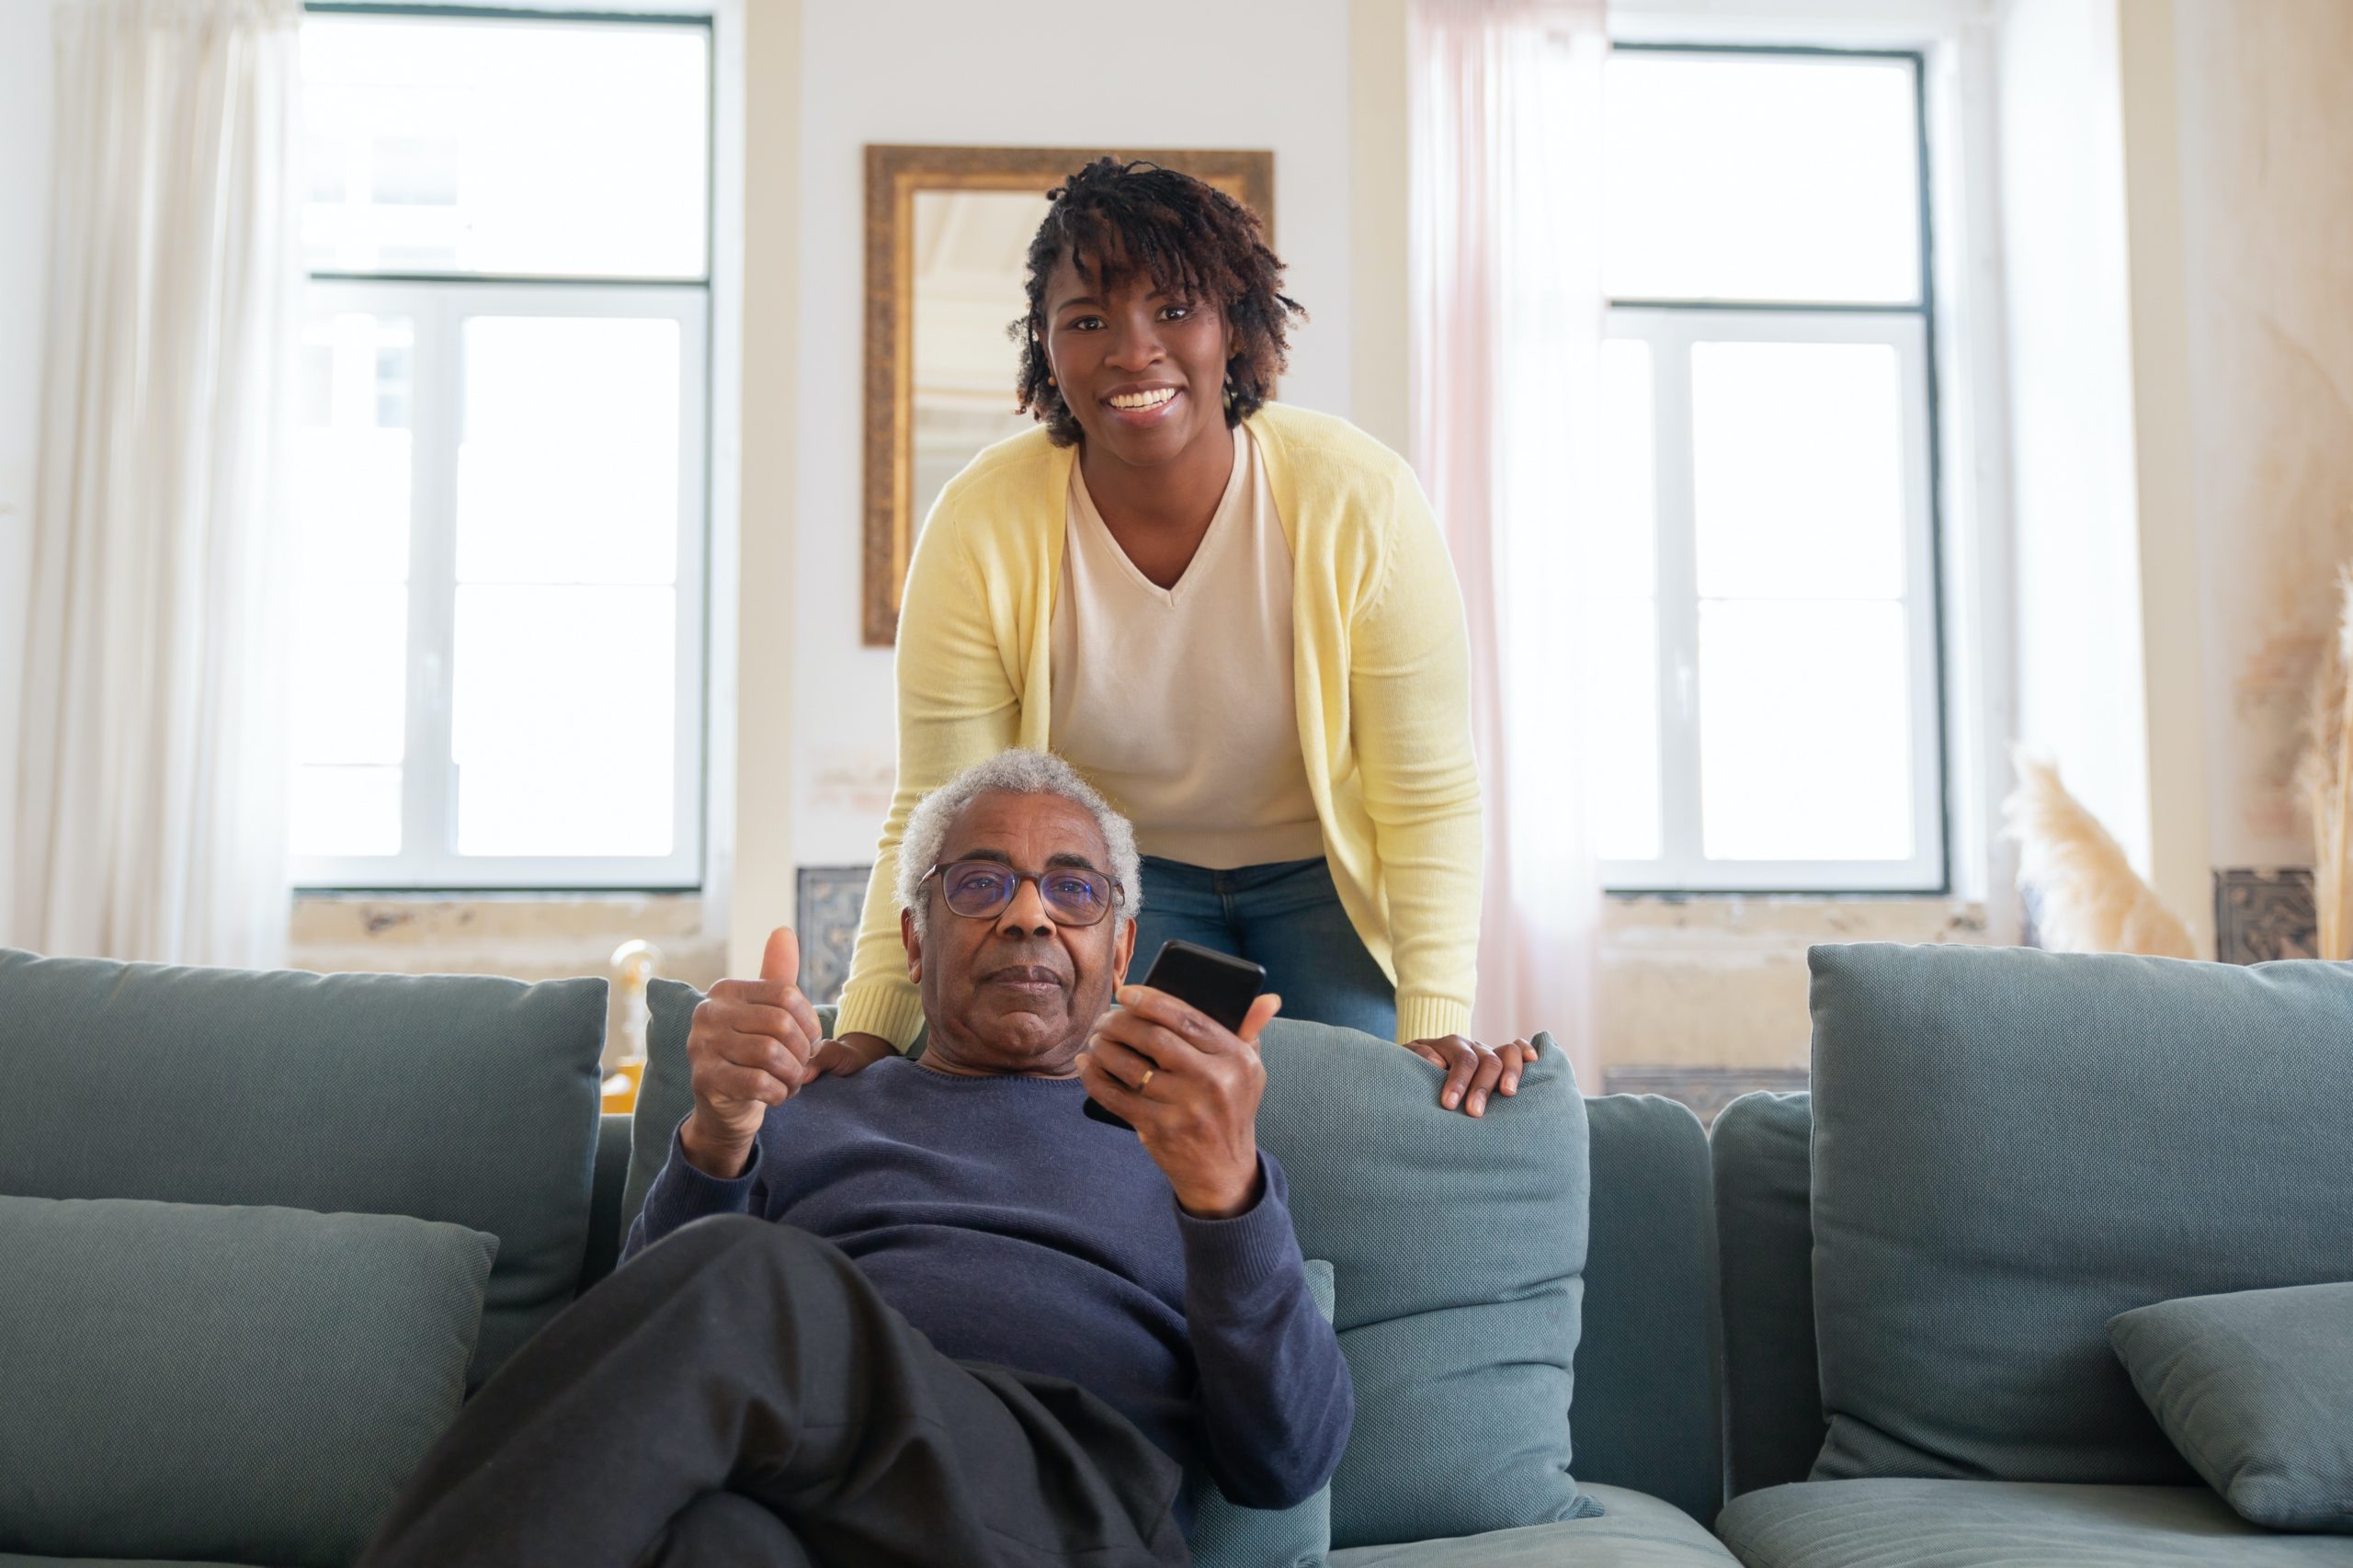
(1010, 1227)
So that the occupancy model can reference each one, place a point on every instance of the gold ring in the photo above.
(1145, 1079)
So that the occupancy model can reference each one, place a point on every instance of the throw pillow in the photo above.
(2256, 1388)
(1463, 1241)
(250, 1385)
(458, 1098)
(2010, 1147)
(1227, 1535)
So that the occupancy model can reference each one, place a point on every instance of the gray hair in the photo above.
(1016, 772)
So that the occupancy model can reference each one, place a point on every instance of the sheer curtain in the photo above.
(1506, 301)
(152, 784)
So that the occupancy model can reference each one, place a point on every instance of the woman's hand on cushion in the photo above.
(1473, 1071)
(850, 1053)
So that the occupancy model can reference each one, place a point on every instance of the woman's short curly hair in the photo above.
(1191, 239)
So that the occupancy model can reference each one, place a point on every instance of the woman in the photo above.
(1237, 619)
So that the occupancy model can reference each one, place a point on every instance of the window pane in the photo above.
(568, 465)
(556, 148)
(1797, 458)
(1783, 178)
(349, 696)
(1621, 558)
(350, 678)
(1805, 732)
(351, 469)
(347, 811)
(1622, 772)
(564, 720)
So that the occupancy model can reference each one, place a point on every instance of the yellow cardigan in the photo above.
(1382, 671)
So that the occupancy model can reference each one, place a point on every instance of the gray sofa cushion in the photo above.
(1634, 1530)
(1773, 1422)
(454, 1097)
(664, 1095)
(185, 1380)
(1648, 1414)
(1227, 1535)
(2006, 1524)
(2257, 1391)
(2011, 1147)
(1459, 1246)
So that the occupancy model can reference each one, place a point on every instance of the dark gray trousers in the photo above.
(739, 1393)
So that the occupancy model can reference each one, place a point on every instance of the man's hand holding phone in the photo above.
(1190, 1087)
(748, 1047)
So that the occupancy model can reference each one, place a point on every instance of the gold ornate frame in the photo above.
(893, 175)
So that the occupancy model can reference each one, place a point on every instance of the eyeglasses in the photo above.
(982, 889)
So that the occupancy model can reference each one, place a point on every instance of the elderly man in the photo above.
(930, 1312)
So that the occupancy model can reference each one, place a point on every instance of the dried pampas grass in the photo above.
(2090, 899)
(2324, 781)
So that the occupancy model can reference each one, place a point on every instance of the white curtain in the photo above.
(1506, 301)
(152, 761)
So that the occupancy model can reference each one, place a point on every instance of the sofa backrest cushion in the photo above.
(2011, 1147)
(1226, 1535)
(1457, 1246)
(462, 1098)
(253, 1384)
(1458, 1250)
(1648, 1414)
(664, 1094)
(1760, 1145)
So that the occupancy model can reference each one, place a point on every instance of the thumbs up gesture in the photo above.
(748, 1047)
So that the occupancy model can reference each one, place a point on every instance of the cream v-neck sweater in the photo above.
(1140, 672)
(1380, 686)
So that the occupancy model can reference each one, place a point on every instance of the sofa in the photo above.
(1683, 1340)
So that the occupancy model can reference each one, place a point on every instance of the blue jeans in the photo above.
(1285, 916)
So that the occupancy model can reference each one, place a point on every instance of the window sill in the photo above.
(1791, 918)
(525, 935)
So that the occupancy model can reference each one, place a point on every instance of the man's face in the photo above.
(1016, 992)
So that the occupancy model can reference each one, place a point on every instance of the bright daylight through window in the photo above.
(1763, 615)
(501, 499)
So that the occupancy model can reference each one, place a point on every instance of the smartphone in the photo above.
(1219, 984)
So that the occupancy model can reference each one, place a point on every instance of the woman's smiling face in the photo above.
(1142, 369)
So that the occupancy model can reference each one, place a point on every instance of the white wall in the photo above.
(2179, 175)
(1051, 72)
(25, 101)
(2266, 141)
(2074, 490)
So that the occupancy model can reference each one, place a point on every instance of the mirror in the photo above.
(948, 232)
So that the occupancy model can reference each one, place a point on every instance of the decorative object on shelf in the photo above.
(2324, 781)
(831, 899)
(2262, 915)
(634, 966)
(2089, 899)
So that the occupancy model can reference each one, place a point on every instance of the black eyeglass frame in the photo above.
(1118, 894)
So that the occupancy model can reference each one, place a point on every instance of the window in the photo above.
(1764, 617)
(500, 509)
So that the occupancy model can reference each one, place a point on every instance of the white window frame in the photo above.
(1670, 327)
(428, 857)
(1682, 866)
